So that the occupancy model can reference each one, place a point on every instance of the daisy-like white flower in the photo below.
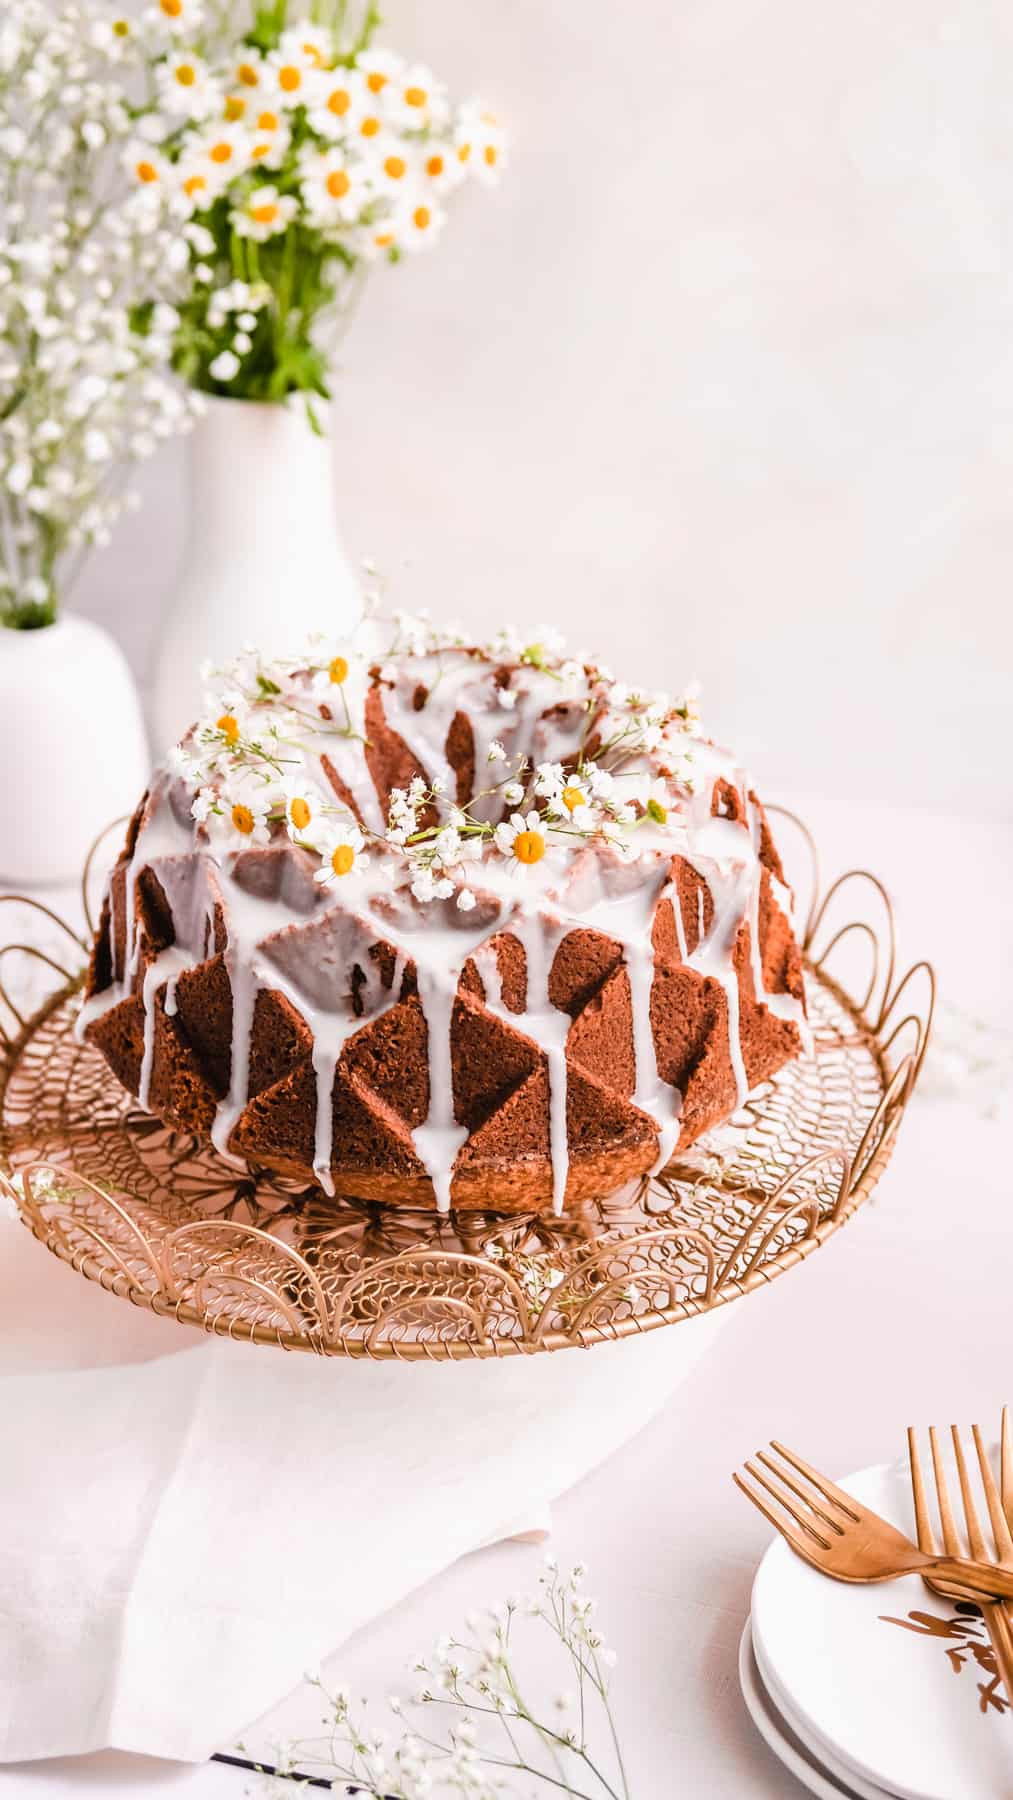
(333, 187)
(440, 168)
(178, 15)
(523, 837)
(185, 87)
(305, 814)
(420, 222)
(307, 43)
(243, 815)
(413, 100)
(288, 76)
(341, 851)
(270, 137)
(263, 213)
(223, 149)
(340, 97)
(246, 75)
(379, 67)
(392, 173)
(480, 144)
(147, 167)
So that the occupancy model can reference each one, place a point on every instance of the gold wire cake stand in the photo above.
(163, 1221)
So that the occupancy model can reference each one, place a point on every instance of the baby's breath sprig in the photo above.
(470, 1725)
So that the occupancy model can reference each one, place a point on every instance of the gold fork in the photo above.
(844, 1539)
(1000, 1510)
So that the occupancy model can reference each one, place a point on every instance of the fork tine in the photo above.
(1006, 1465)
(835, 1495)
(780, 1524)
(923, 1523)
(951, 1542)
(1000, 1527)
(804, 1495)
(975, 1536)
(805, 1519)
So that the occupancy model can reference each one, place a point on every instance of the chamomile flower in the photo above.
(333, 187)
(413, 100)
(147, 167)
(340, 97)
(246, 76)
(307, 43)
(243, 814)
(185, 87)
(264, 213)
(223, 149)
(342, 853)
(439, 168)
(393, 172)
(419, 223)
(177, 15)
(288, 75)
(305, 815)
(379, 67)
(480, 144)
(523, 838)
(270, 137)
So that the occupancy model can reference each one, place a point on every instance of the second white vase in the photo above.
(264, 564)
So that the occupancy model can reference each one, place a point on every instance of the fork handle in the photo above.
(986, 1579)
(998, 1626)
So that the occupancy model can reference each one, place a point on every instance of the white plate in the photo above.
(778, 1735)
(904, 1706)
(780, 1705)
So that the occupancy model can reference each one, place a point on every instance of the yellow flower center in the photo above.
(299, 813)
(186, 74)
(463, 152)
(264, 215)
(529, 846)
(422, 217)
(342, 859)
(572, 798)
(194, 185)
(369, 127)
(657, 812)
(375, 82)
(314, 55)
(235, 106)
(146, 171)
(171, 8)
(383, 240)
(339, 102)
(434, 166)
(248, 75)
(395, 167)
(121, 28)
(228, 725)
(242, 819)
(338, 185)
(490, 153)
(338, 670)
(415, 96)
(220, 152)
(268, 121)
(289, 79)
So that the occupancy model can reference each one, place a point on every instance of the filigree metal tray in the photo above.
(164, 1222)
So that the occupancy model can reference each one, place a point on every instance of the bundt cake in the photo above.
(444, 925)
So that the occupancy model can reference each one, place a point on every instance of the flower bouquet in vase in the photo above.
(86, 334)
(292, 154)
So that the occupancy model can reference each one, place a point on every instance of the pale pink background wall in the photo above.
(721, 379)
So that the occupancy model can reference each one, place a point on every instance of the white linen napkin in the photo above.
(181, 1538)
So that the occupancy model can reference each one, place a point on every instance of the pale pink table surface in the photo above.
(902, 1318)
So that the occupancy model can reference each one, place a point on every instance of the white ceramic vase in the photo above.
(72, 746)
(264, 563)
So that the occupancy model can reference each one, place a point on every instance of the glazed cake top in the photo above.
(430, 794)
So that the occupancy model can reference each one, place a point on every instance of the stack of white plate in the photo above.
(875, 1691)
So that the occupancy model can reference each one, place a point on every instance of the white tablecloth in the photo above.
(902, 1318)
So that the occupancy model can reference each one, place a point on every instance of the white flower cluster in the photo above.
(257, 760)
(478, 1682)
(86, 281)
